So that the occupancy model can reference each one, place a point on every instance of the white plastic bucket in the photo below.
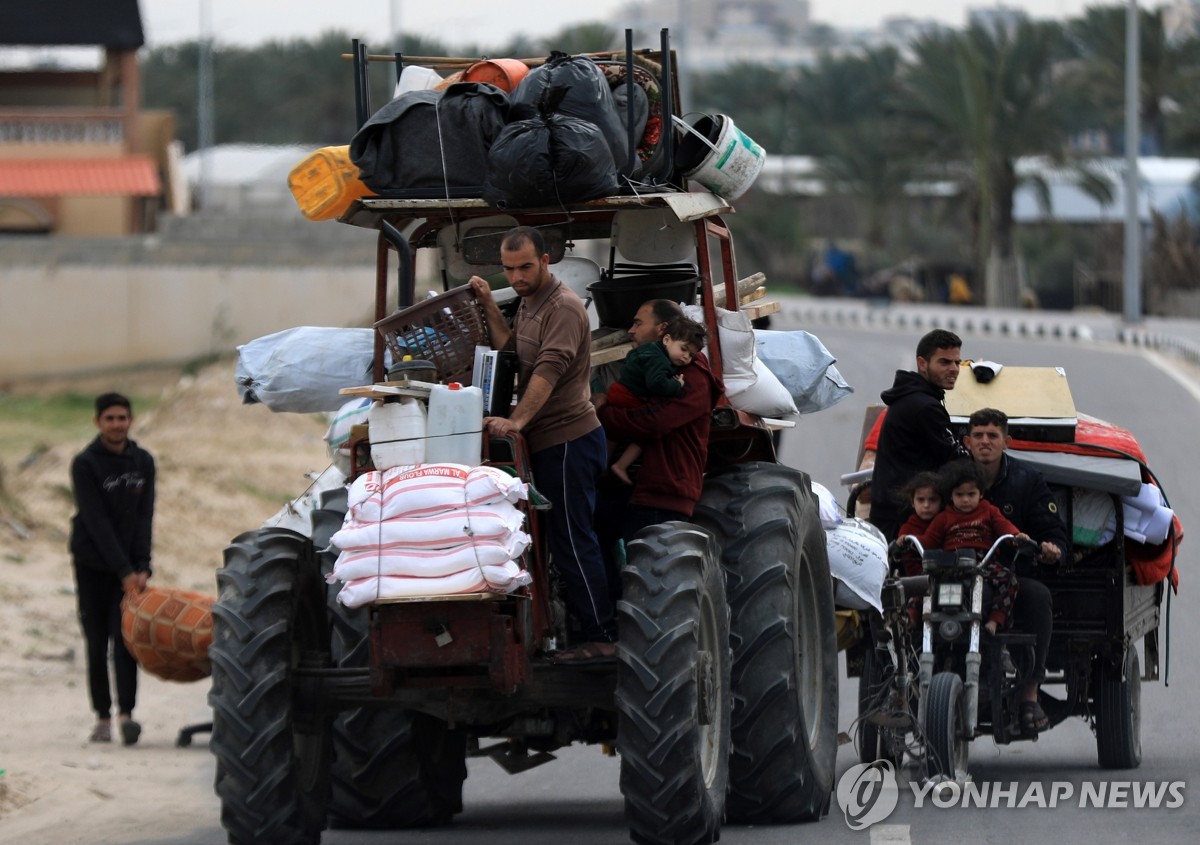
(397, 432)
(732, 162)
(455, 429)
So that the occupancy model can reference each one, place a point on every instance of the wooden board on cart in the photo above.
(1037, 401)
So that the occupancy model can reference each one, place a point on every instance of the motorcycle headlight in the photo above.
(950, 595)
(950, 630)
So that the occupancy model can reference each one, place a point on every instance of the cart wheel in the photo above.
(1118, 714)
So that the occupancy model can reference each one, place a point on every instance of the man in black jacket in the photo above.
(1015, 487)
(113, 480)
(916, 433)
(1021, 494)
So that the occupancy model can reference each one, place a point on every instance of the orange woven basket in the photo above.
(168, 632)
(444, 329)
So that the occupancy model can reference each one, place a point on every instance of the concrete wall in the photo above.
(65, 319)
(200, 285)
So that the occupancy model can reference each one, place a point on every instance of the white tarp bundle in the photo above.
(302, 369)
(749, 383)
(858, 562)
(827, 506)
(804, 367)
(1146, 517)
(296, 515)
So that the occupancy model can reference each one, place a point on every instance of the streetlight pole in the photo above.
(1133, 229)
(204, 106)
(394, 24)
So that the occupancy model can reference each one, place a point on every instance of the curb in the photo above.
(1169, 344)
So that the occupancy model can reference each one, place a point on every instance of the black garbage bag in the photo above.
(575, 86)
(431, 139)
(549, 160)
(641, 108)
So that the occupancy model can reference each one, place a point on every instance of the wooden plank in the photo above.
(454, 597)
(1032, 392)
(766, 308)
(744, 286)
(605, 338)
(613, 353)
(388, 391)
(869, 417)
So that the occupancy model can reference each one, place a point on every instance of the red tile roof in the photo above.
(126, 176)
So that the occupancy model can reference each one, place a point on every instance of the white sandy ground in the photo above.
(223, 468)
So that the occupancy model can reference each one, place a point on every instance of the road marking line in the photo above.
(1171, 369)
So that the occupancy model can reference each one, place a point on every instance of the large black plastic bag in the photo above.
(431, 139)
(549, 160)
(575, 86)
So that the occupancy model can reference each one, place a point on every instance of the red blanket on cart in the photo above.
(1151, 564)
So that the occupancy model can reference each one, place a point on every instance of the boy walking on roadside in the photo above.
(113, 483)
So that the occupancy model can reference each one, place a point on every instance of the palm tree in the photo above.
(584, 38)
(758, 96)
(1168, 70)
(857, 143)
(975, 102)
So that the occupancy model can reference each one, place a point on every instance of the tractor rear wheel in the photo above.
(673, 687)
(785, 676)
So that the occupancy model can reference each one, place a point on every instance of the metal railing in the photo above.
(91, 126)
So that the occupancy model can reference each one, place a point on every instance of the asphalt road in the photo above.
(576, 798)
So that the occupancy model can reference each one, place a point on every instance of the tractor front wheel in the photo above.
(673, 692)
(270, 738)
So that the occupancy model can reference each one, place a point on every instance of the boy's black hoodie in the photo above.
(114, 497)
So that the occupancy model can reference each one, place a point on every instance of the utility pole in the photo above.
(1133, 182)
(394, 24)
(204, 106)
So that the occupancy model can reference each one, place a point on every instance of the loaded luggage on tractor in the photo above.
(359, 660)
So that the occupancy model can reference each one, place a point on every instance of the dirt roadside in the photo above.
(223, 468)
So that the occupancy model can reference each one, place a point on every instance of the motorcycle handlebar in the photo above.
(1019, 544)
(906, 541)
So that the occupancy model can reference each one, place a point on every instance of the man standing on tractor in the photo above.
(567, 446)
(916, 432)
